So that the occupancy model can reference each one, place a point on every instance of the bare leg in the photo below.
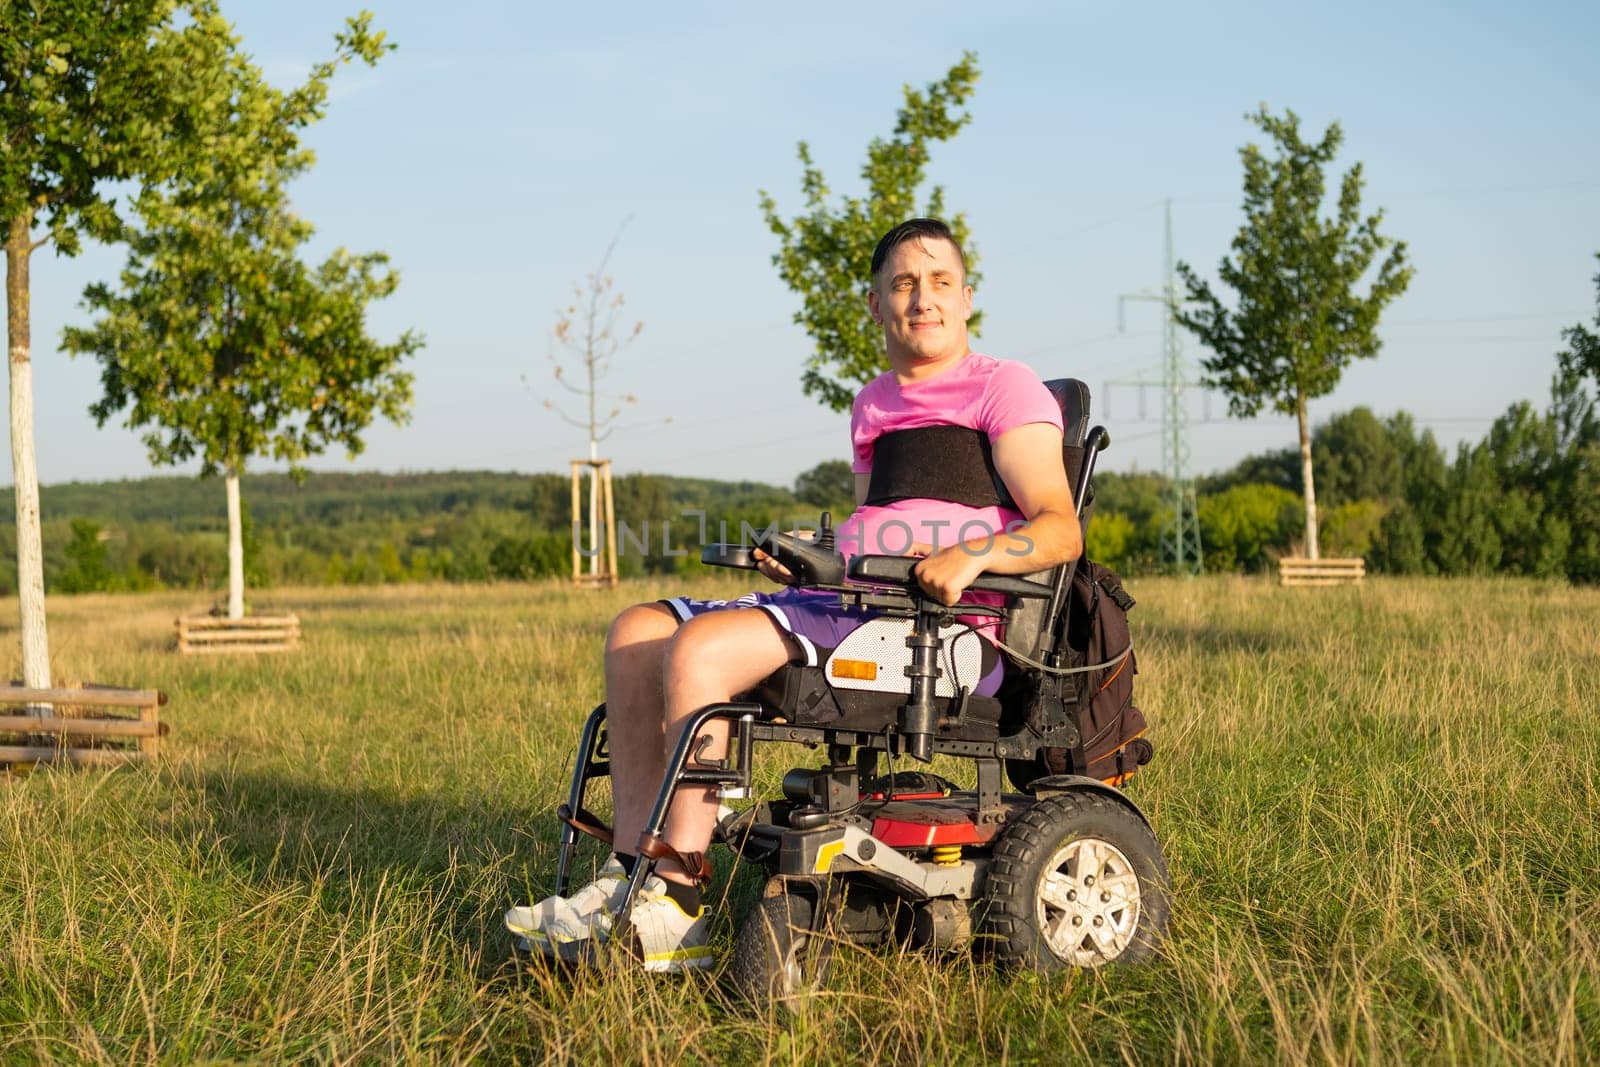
(635, 653)
(712, 658)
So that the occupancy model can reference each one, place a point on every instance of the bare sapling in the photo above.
(588, 334)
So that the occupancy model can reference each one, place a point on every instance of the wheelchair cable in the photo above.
(973, 628)
(1112, 662)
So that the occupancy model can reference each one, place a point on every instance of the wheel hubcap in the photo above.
(1087, 906)
(794, 977)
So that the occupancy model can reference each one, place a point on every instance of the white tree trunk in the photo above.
(1312, 550)
(24, 463)
(30, 550)
(235, 549)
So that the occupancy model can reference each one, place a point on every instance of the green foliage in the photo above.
(461, 526)
(1280, 467)
(1351, 528)
(251, 543)
(1582, 356)
(221, 340)
(825, 254)
(94, 92)
(524, 559)
(1109, 539)
(1399, 546)
(827, 485)
(1356, 459)
(89, 561)
(1238, 526)
(1141, 500)
(1469, 541)
(1298, 319)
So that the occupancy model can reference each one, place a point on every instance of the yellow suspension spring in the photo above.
(947, 855)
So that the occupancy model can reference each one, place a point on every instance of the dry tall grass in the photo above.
(1378, 805)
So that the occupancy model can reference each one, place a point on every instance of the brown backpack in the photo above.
(1111, 726)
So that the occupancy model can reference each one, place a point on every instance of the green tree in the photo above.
(1409, 536)
(1108, 539)
(221, 341)
(1469, 540)
(1578, 441)
(1280, 467)
(826, 253)
(1139, 499)
(1355, 459)
(92, 92)
(1352, 527)
(1298, 319)
(828, 484)
(1239, 526)
(1582, 356)
(89, 560)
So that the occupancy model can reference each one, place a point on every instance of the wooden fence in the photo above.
(257, 633)
(1293, 570)
(77, 728)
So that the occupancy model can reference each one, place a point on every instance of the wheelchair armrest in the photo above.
(1009, 586)
(896, 570)
(720, 555)
(882, 570)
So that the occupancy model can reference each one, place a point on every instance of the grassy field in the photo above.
(1378, 805)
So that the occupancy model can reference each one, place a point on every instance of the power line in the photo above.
(1487, 318)
(1087, 342)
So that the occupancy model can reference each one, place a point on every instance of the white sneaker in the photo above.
(670, 940)
(561, 919)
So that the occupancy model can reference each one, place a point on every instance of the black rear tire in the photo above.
(777, 958)
(1077, 880)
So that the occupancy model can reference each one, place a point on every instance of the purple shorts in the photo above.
(814, 622)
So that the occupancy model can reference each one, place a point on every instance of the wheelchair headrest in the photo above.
(1073, 397)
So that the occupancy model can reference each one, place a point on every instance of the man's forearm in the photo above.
(1049, 538)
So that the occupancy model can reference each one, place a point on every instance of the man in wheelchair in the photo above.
(960, 476)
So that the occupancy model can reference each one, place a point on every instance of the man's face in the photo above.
(922, 299)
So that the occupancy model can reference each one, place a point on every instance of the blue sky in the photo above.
(497, 150)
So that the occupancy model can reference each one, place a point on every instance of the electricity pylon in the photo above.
(1180, 532)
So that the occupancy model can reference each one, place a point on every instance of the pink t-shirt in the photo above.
(979, 393)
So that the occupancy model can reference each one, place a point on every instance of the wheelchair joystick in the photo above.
(825, 532)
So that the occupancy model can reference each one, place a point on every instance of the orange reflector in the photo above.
(865, 669)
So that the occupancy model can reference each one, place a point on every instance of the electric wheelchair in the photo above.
(1061, 871)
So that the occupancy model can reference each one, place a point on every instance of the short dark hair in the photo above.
(911, 230)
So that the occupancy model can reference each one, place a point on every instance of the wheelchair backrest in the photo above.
(1030, 623)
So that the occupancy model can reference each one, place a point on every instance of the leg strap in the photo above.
(694, 864)
(585, 822)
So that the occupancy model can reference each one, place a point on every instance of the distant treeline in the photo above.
(466, 526)
(1524, 500)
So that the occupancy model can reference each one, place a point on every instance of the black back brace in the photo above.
(951, 463)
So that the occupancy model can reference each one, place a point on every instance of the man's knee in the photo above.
(735, 644)
(640, 624)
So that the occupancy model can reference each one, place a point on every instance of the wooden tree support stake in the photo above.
(202, 634)
(600, 517)
(84, 733)
(1293, 570)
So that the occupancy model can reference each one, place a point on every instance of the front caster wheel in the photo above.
(777, 957)
(1077, 881)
